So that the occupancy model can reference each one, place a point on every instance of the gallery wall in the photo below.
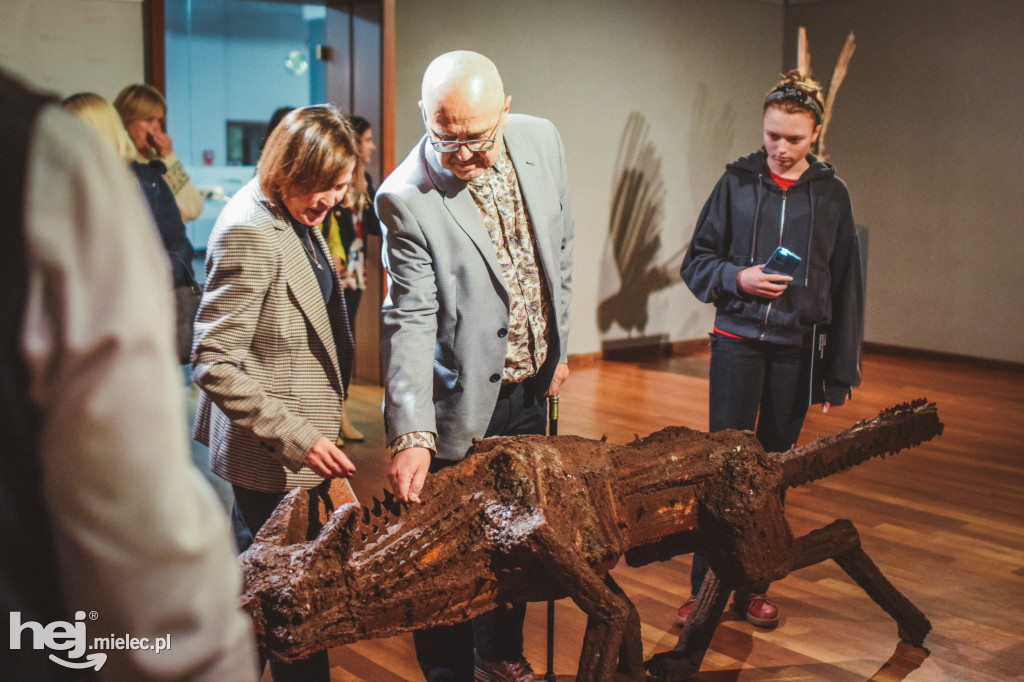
(688, 74)
(74, 46)
(927, 135)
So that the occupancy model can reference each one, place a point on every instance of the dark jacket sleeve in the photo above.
(846, 333)
(706, 268)
(168, 221)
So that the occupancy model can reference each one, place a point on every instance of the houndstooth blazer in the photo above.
(271, 359)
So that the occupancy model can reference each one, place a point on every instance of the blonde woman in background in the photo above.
(143, 109)
(102, 117)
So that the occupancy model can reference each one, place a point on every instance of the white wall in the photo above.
(696, 71)
(927, 134)
(69, 46)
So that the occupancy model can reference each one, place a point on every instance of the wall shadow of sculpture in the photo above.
(534, 518)
(637, 219)
(634, 228)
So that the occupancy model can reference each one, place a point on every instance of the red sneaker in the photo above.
(504, 671)
(756, 609)
(684, 611)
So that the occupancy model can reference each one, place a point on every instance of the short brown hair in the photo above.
(307, 152)
(140, 101)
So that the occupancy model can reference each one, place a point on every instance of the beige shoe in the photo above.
(347, 430)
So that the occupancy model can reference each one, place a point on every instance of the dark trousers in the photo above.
(251, 510)
(352, 298)
(760, 387)
(445, 653)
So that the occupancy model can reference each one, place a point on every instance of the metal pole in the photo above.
(549, 676)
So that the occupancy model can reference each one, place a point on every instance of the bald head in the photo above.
(461, 81)
(464, 100)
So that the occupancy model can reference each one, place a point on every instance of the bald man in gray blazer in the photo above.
(478, 240)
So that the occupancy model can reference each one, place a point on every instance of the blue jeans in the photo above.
(761, 387)
(251, 510)
(445, 653)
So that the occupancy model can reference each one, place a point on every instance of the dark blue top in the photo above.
(168, 218)
(320, 263)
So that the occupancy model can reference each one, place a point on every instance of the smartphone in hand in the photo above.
(782, 262)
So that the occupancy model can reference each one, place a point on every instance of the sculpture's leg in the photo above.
(631, 651)
(839, 541)
(607, 613)
(683, 661)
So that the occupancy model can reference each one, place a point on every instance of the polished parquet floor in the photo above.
(944, 522)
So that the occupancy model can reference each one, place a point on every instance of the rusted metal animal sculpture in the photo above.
(536, 518)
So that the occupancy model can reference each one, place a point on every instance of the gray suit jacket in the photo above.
(271, 358)
(446, 314)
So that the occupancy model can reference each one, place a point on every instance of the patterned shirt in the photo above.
(497, 195)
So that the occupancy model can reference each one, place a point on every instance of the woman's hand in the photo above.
(756, 282)
(159, 143)
(327, 460)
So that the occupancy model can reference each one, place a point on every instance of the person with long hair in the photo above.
(780, 196)
(346, 228)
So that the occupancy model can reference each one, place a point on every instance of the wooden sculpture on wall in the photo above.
(533, 518)
(838, 74)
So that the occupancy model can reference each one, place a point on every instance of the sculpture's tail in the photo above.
(894, 429)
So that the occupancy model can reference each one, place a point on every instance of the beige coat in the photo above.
(271, 359)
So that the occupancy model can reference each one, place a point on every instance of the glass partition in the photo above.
(230, 64)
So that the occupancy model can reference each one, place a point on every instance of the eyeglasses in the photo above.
(452, 146)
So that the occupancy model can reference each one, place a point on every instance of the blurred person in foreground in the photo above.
(102, 511)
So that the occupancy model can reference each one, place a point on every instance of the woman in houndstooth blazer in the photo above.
(273, 351)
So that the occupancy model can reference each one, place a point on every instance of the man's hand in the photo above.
(561, 374)
(325, 459)
(756, 282)
(408, 472)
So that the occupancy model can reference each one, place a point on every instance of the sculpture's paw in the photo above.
(670, 666)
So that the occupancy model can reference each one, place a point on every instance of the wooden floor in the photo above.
(945, 523)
